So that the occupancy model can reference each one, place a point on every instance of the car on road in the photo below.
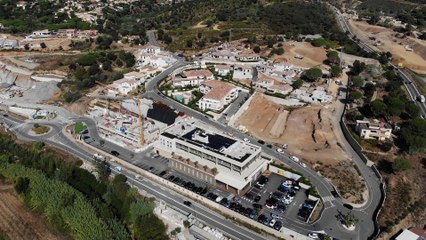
(88, 139)
(348, 206)
(246, 140)
(151, 169)
(335, 194)
(303, 165)
(137, 176)
(187, 203)
(313, 235)
(118, 169)
(115, 153)
(269, 145)
(261, 142)
(280, 150)
(85, 131)
(294, 158)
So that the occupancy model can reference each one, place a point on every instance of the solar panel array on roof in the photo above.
(162, 113)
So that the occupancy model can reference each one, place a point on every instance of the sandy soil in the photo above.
(310, 136)
(199, 25)
(312, 56)
(415, 60)
(16, 222)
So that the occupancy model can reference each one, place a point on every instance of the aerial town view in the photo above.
(212, 119)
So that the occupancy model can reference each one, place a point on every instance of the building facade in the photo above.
(237, 164)
(374, 129)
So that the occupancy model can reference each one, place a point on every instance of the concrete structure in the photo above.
(374, 129)
(192, 77)
(238, 163)
(412, 234)
(8, 43)
(272, 85)
(217, 95)
(242, 72)
(122, 86)
(317, 96)
(222, 70)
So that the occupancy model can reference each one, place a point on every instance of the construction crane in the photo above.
(139, 103)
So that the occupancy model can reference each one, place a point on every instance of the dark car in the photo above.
(257, 206)
(278, 225)
(85, 131)
(115, 153)
(261, 142)
(335, 194)
(261, 218)
(269, 145)
(171, 178)
(257, 198)
(187, 203)
(162, 173)
(348, 206)
(263, 179)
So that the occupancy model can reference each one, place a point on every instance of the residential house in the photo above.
(272, 85)
(217, 95)
(138, 76)
(412, 234)
(243, 72)
(192, 77)
(374, 129)
(8, 43)
(41, 34)
(69, 33)
(123, 86)
(222, 70)
(247, 56)
(317, 96)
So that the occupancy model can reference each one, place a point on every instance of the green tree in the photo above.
(43, 45)
(378, 108)
(189, 43)
(149, 227)
(357, 67)
(357, 81)
(297, 84)
(401, 164)
(396, 105)
(256, 49)
(414, 135)
(313, 74)
(356, 95)
(412, 109)
(333, 57)
(335, 70)
(22, 184)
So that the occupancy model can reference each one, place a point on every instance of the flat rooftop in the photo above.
(202, 135)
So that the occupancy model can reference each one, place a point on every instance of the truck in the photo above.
(421, 98)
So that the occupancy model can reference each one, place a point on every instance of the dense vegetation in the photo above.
(73, 200)
(41, 14)
(92, 67)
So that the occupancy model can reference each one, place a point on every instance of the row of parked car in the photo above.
(187, 184)
(272, 222)
(306, 209)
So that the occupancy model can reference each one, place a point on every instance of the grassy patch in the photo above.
(79, 126)
(40, 129)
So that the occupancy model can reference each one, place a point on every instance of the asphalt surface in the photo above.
(56, 138)
(408, 82)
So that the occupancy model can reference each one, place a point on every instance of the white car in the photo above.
(246, 140)
(285, 146)
(294, 158)
(313, 235)
(272, 222)
(280, 150)
(303, 164)
(219, 198)
(118, 169)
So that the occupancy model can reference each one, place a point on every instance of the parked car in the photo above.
(257, 206)
(294, 158)
(261, 218)
(187, 203)
(261, 142)
(115, 153)
(272, 223)
(313, 235)
(280, 150)
(348, 206)
(219, 198)
(278, 225)
(246, 140)
(162, 173)
(257, 198)
(236, 199)
(285, 146)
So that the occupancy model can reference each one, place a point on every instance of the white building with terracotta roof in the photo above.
(222, 70)
(272, 85)
(243, 72)
(217, 95)
(122, 86)
(192, 77)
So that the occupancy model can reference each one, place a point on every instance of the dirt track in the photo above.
(415, 60)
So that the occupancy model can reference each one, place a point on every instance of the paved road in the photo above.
(408, 82)
(328, 221)
(56, 138)
(151, 38)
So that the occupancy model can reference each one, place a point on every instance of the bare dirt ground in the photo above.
(17, 222)
(312, 56)
(415, 60)
(310, 136)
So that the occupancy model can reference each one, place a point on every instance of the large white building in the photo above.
(237, 163)
(373, 129)
(192, 77)
(217, 95)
